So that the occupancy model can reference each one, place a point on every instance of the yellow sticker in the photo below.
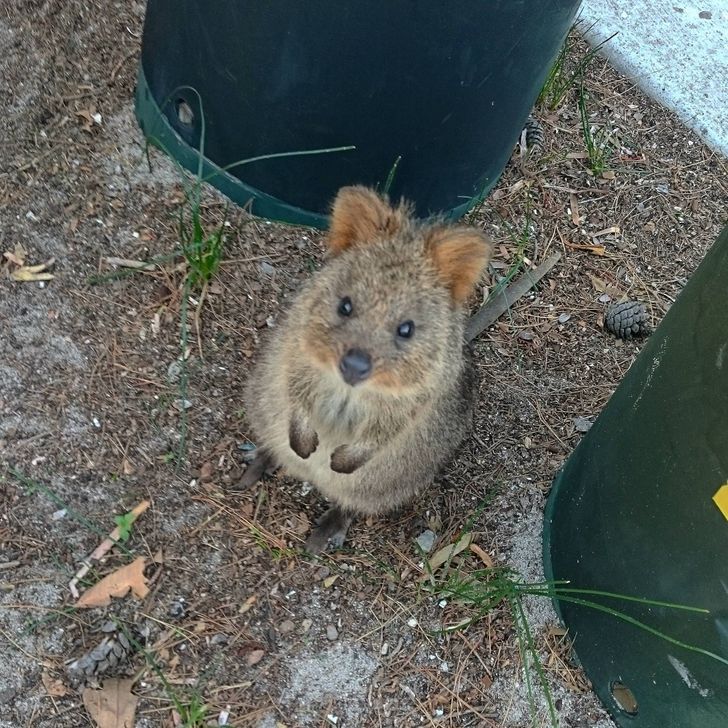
(721, 500)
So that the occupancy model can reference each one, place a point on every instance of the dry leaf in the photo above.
(24, 275)
(27, 273)
(300, 524)
(447, 552)
(18, 256)
(53, 686)
(598, 283)
(126, 467)
(13, 258)
(329, 580)
(117, 584)
(113, 706)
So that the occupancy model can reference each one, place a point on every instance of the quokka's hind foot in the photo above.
(255, 470)
(331, 529)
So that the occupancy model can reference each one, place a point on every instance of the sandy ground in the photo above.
(92, 415)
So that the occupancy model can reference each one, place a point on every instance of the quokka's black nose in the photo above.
(355, 366)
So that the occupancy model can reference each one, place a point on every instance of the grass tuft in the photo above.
(484, 590)
(598, 146)
(561, 79)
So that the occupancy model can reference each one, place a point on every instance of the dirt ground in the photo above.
(237, 619)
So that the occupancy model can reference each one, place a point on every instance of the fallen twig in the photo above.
(502, 300)
(104, 547)
(127, 263)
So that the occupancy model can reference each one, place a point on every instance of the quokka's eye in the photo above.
(406, 329)
(345, 307)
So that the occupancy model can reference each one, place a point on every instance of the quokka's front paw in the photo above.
(302, 438)
(348, 458)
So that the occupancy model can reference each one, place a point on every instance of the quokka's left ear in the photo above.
(460, 255)
(360, 216)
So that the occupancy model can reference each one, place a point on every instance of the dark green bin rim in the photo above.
(159, 132)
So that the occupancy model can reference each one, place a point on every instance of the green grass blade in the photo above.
(641, 625)
(390, 177)
(277, 155)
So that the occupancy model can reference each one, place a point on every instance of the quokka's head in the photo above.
(386, 312)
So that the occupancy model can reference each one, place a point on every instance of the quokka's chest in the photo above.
(337, 415)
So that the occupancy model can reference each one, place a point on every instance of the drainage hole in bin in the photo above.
(624, 698)
(185, 115)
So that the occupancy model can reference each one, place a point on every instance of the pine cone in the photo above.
(627, 319)
(113, 650)
(534, 136)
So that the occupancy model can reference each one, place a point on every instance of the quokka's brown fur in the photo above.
(339, 397)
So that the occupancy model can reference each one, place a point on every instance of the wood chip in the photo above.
(128, 263)
(574, 205)
(53, 686)
(254, 657)
(483, 555)
(612, 230)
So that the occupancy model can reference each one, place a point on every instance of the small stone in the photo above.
(384, 649)
(176, 609)
(267, 268)
(332, 633)
(286, 627)
(582, 424)
(182, 404)
(57, 515)
(174, 370)
(564, 318)
(426, 540)
(412, 622)
(306, 625)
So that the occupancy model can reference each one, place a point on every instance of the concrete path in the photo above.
(676, 51)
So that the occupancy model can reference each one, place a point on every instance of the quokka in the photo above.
(367, 387)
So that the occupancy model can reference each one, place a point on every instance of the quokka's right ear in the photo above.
(459, 254)
(360, 216)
